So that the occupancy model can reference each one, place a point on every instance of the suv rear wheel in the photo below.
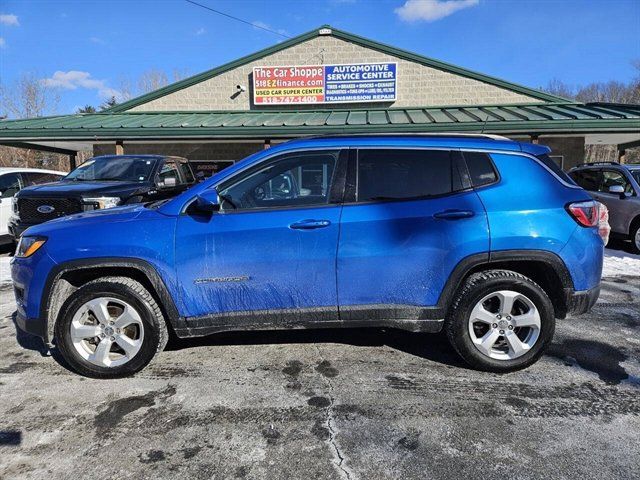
(500, 321)
(110, 328)
(635, 236)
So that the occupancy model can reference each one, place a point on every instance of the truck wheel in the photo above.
(500, 321)
(110, 328)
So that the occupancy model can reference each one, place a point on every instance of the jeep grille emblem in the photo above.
(45, 209)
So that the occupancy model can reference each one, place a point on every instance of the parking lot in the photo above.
(353, 404)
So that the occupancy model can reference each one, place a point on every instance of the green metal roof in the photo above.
(349, 37)
(523, 118)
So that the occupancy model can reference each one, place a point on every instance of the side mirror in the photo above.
(168, 182)
(617, 190)
(208, 202)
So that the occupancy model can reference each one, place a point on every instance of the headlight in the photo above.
(101, 202)
(27, 246)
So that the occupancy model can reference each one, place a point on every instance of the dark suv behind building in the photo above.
(101, 182)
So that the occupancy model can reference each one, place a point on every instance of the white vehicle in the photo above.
(12, 180)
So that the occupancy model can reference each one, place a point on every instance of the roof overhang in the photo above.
(598, 122)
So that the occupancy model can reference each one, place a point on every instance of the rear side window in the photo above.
(480, 168)
(553, 166)
(587, 179)
(403, 174)
(186, 172)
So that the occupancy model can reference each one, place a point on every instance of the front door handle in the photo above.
(310, 224)
(454, 214)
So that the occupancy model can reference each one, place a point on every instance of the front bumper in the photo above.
(34, 326)
(579, 302)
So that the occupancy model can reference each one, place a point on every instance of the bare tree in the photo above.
(152, 80)
(28, 98)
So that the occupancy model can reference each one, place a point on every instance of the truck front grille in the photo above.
(35, 210)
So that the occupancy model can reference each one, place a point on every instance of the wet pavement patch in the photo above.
(597, 357)
(271, 434)
(319, 402)
(320, 431)
(152, 456)
(109, 418)
(326, 369)
(190, 452)
(293, 368)
(410, 441)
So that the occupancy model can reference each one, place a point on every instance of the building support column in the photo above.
(72, 161)
(119, 147)
(622, 155)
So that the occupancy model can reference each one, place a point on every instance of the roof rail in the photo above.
(590, 164)
(433, 134)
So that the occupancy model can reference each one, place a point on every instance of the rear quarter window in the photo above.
(555, 168)
(481, 169)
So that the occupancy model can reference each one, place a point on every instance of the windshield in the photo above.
(124, 169)
(636, 174)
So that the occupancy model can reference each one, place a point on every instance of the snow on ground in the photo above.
(5, 271)
(616, 262)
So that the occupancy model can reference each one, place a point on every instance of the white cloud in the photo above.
(431, 10)
(74, 79)
(262, 25)
(2, 43)
(9, 19)
(97, 40)
(200, 31)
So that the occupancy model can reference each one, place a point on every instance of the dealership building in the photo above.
(327, 81)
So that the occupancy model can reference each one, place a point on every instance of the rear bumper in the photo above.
(579, 302)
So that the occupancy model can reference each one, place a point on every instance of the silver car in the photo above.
(618, 187)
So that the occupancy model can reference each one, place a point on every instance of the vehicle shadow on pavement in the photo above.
(434, 347)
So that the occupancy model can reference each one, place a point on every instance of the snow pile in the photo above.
(617, 262)
(5, 270)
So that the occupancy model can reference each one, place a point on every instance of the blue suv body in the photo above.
(481, 235)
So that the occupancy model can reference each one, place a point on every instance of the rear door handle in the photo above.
(310, 224)
(454, 214)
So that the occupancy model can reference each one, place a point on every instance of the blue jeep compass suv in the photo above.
(481, 236)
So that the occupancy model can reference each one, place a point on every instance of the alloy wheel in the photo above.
(107, 332)
(504, 325)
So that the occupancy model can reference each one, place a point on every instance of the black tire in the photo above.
(635, 228)
(125, 289)
(475, 288)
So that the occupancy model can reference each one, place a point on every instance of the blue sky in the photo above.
(105, 42)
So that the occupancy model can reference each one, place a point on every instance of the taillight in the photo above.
(585, 213)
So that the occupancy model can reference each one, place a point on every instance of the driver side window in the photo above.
(291, 180)
(611, 178)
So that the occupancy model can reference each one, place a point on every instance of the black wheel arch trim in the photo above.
(160, 289)
(467, 264)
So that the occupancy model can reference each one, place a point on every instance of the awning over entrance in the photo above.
(526, 119)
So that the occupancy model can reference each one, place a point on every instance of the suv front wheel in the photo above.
(110, 328)
(500, 321)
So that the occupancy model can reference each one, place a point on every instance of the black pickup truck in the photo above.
(101, 182)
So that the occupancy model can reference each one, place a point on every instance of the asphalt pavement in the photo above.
(325, 404)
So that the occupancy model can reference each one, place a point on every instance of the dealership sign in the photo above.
(353, 83)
